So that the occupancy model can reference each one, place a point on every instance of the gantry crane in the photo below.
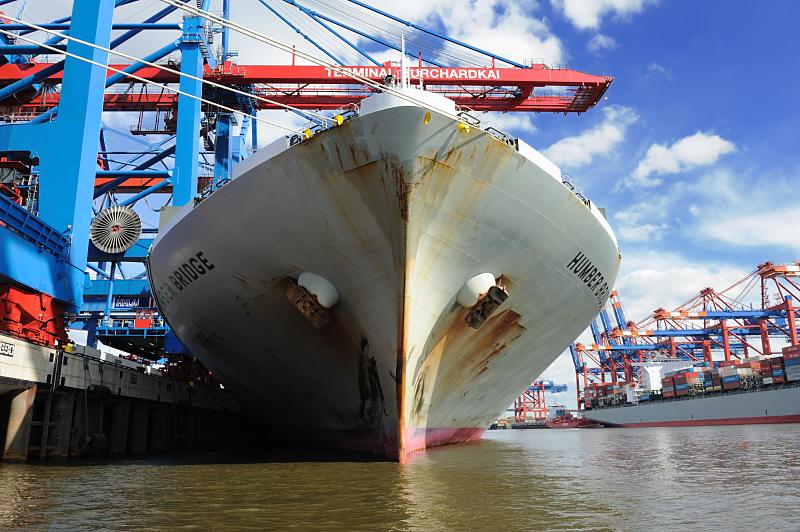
(714, 325)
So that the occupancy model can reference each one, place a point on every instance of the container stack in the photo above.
(668, 386)
(590, 396)
(711, 380)
(777, 371)
(602, 394)
(681, 384)
(791, 361)
(729, 377)
(765, 372)
(616, 393)
(687, 381)
(749, 376)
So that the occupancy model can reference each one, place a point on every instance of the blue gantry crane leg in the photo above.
(187, 142)
(66, 148)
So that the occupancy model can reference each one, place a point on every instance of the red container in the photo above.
(779, 379)
(668, 395)
(793, 351)
(730, 385)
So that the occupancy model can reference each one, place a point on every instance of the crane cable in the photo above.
(396, 30)
(277, 44)
(144, 80)
(165, 68)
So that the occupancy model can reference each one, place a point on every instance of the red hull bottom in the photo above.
(379, 443)
(421, 439)
(762, 420)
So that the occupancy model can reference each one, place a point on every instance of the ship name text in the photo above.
(591, 276)
(184, 275)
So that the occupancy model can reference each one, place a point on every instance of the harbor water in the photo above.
(723, 478)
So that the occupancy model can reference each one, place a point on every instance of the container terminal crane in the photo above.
(725, 357)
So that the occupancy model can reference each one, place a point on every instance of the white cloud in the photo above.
(700, 149)
(506, 29)
(501, 27)
(654, 279)
(659, 69)
(587, 14)
(740, 208)
(744, 208)
(643, 221)
(601, 42)
(510, 122)
(762, 229)
(602, 139)
(642, 233)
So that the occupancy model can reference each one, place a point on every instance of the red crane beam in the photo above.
(151, 102)
(138, 184)
(481, 89)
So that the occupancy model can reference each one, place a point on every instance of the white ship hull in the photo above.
(397, 209)
(770, 405)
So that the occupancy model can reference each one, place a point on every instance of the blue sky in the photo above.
(684, 68)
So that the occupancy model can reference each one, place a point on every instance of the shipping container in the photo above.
(792, 376)
(792, 351)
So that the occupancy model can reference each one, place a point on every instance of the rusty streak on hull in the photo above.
(397, 212)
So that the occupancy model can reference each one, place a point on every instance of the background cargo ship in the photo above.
(753, 391)
(564, 418)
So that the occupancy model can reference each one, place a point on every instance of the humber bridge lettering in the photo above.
(591, 276)
(183, 277)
